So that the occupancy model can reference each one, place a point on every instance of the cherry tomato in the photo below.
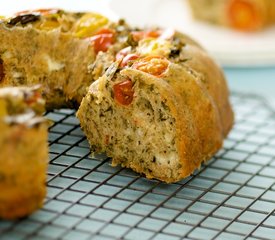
(123, 92)
(103, 40)
(154, 65)
(43, 12)
(2, 73)
(89, 24)
(243, 15)
(139, 35)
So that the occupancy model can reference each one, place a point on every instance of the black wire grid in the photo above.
(230, 197)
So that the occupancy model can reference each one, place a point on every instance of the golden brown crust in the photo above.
(23, 172)
(24, 152)
(211, 76)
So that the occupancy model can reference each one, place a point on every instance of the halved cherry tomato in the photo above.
(154, 65)
(43, 12)
(123, 92)
(2, 73)
(244, 15)
(103, 40)
(89, 24)
(139, 35)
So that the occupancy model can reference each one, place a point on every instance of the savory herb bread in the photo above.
(24, 152)
(162, 106)
(245, 15)
(60, 50)
(162, 109)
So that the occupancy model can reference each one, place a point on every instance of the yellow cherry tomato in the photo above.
(89, 24)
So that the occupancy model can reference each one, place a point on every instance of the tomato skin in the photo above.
(154, 65)
(102, 40)
(123, 92)
(243, 15)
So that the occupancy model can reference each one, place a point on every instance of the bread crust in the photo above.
(24, 152)
(24, 158)
(213, 80)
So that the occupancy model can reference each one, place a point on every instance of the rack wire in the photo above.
(230, 197)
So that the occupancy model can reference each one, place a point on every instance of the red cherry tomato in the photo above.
(123, 92)
(103, 40)
(244, 15)
(154, 65)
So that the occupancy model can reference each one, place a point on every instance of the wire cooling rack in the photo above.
(230, 197)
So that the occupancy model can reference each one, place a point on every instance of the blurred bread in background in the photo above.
(244, 15)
